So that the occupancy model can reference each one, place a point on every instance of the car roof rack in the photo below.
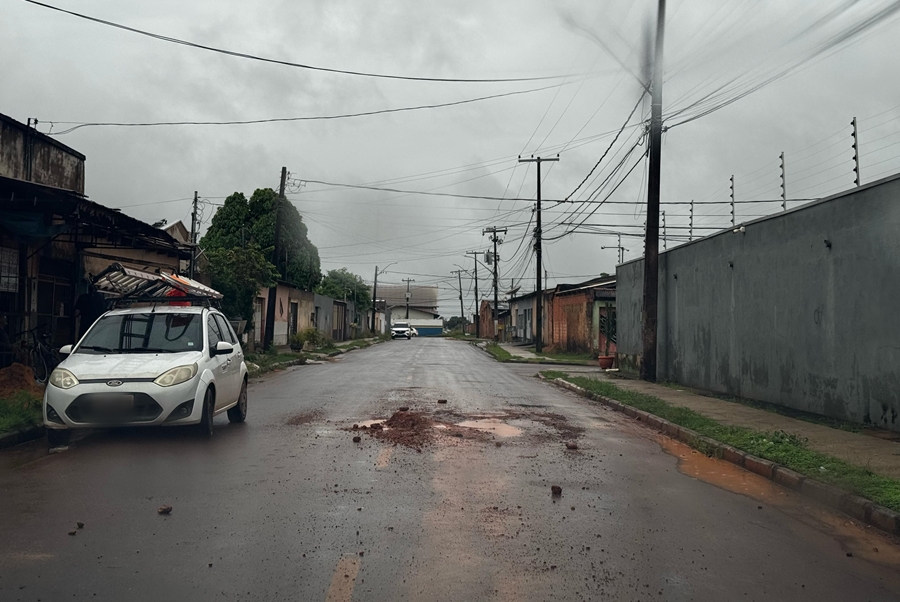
(125, 287)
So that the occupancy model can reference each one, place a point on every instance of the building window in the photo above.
(9, 270)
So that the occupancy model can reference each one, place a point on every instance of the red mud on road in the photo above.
(855, 538)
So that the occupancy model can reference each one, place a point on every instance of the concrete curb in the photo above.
(853, 505)
(273, 367)
(21, 436)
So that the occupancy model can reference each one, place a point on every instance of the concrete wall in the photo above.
(26, 154)
(799, 310)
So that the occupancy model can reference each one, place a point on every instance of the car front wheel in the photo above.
(206, 420)
(239, 412)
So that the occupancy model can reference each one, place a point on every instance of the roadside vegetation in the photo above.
(587, 357)
(18, 411)
(784, 448)
(498, 352)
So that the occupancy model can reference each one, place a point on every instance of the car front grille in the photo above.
(113, 408)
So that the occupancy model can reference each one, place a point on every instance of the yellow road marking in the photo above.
(343, 580)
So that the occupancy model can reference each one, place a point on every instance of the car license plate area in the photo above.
(114, 407)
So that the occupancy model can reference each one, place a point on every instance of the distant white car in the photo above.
(401, 330)
(169, 365)
(414, 332)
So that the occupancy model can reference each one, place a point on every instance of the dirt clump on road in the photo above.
(412, 429)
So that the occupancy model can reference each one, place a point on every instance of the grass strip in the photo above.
(784, 448)
(499, 353)
(21, 410)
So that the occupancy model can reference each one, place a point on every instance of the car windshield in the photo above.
(144, 333)
(401, 325)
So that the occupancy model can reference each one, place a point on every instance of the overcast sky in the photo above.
(60, 68)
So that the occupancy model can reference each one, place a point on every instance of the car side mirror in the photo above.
(65, 350)
(223, 348)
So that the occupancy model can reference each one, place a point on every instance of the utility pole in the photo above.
(407, 281)
(273, 290)
(651, 238)
(496, 239)
(663, 214)
(462, 312)
(538, 339)
(732, 201)
(374, 297)
(620, 248)
(858, 179)
(691, 223)
(783, 185)
(193, 237)
(474, 255)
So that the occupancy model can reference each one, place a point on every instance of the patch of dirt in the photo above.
(18, 377)
(412, 429)
(304, 418)
(560, 424)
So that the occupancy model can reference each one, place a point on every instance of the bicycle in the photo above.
(43, 358)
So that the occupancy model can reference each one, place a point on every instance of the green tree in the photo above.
(338, 283)
(240, 247)
(238, 273)
(298, 262)
(456, 322)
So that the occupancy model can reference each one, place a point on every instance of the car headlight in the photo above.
(63, 379)
(176, 376)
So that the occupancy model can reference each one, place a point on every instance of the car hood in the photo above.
(123, 366)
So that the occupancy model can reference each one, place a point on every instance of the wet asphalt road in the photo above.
(287, 507)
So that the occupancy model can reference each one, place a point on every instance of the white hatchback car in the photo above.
(165, 365)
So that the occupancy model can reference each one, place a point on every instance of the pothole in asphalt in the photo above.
(493, 426)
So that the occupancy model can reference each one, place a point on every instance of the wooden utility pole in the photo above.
(496, 239)
(474, 255)
(651, 237)
(538, 342)
(269, 331)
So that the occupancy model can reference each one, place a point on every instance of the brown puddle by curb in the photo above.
(853, 537)
(493, 426)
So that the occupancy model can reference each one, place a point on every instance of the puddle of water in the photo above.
(492, 425)
(852, 537)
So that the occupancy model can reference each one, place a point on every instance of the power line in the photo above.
(243, 55)
(79, 124)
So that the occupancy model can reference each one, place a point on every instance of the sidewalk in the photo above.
(522, 352)
(878, 455)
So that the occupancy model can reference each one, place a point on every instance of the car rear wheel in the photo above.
(58, 437)
(206, 420)
(239, 412)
